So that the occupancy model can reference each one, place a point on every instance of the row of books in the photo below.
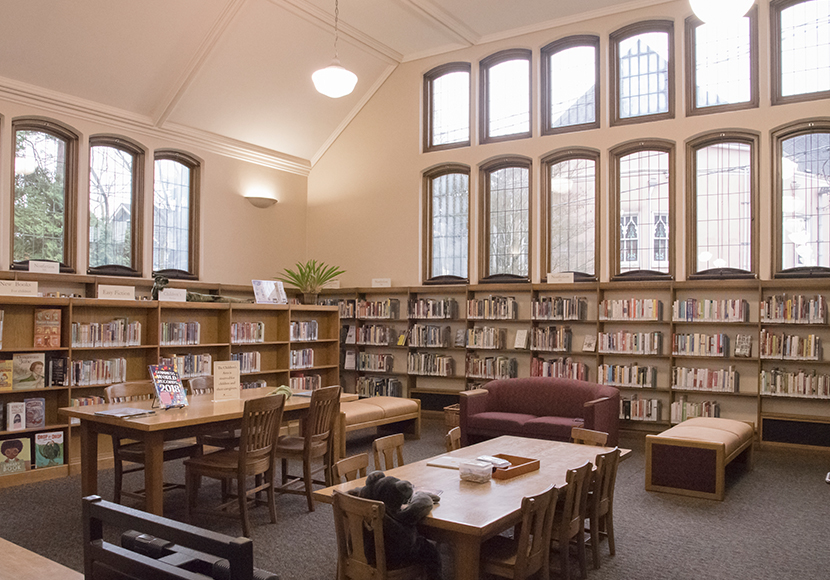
(808, 384)
(249, 361)
(636, 409)
(700, 344)
(98, 371)
(704, 379)
(257, 384)
(301, 359)
(180, 333)
(303, 330)
(379, 387)
(789, 347)
(564, 367)
(190, 365)
(302, 382)
(368, 361)
(644, 377)
(648, 309)
(491, 367)
(559, 308)
(486, 337)
(381, 309)
(798, 309)
(626, 342)
(432, 336)
(430, 364)
(117, 332)
(551, 338)
(682, 409)
(493, 308)
(443, 308)
(371, 334)
(247, 332)
(30, 413)
(18, 453)
(709, 310)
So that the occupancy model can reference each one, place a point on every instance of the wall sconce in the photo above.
(260, 201)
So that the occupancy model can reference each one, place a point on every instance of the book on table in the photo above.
(126, 412)
(169, 389)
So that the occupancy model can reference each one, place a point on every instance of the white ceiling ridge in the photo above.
(176, 92)
(353, 113)
(446, 21)
(321, 18)
(63, 104)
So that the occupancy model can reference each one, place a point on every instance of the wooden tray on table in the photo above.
(518, 466)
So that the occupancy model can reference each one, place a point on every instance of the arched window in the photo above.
(800, 45)
(175, 214)
(447, 219)
(505, 96)
(447, 106)
(570, 84)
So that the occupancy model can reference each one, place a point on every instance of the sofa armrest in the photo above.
(596, 401)
(471, 403)
(603, 414)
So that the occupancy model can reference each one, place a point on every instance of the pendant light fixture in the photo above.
(719, 11)
(334, 81)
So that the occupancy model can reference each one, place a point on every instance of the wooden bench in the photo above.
(387, 414)
(691, 457)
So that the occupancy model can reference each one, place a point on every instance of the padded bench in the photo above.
(691, 457)
(393, 414)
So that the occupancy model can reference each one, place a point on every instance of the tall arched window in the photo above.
(800, 45)
(570, 84)
(505, 96)
(447, 106)
(506, 213)
(175, 214)
(447, 219)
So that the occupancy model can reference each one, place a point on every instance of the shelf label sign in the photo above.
(333, 284)
(17, 288)
(381, 282)
(173, 295)
(226, 385)
(44, 267)
(560, 277)
(116, 292)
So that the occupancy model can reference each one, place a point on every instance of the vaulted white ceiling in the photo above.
(238, 72)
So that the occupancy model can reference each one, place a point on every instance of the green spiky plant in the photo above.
(310, 277)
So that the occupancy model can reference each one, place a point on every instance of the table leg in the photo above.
(89, 459)
(467, 553)
(154, 473)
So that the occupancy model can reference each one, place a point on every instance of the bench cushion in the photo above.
(731, 433)
(359, 412)
(391, 406)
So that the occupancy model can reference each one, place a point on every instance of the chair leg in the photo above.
(284, 471)
(242, 495)
(118, 481)
(564, 559)
(272, 506)
(594, 522)
(609, 527)
(580, 550)
(192, 489)
(308, 487)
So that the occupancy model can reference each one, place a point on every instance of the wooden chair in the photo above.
(315, 442)
(356, 522)
(133, 451)
(224, 439)
(388, 448)
(589, 437)
(255, 457)
(528, 551)
(351, 468)
(601, 502)
(453, 439)
(200, 385)
(569, 520)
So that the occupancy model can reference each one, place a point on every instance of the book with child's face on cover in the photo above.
(169, 389)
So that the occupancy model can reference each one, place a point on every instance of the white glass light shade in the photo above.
(715, 11)
(334, 81)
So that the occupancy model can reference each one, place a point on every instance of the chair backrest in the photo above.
(351, 468)
(453, 439)
(200, 385)
(388, 448)
(535, 531)
(605, 479)
(261, 420)
(323, 412)
(589, 437)
(356, 522)
(574, 509)
(130, 391)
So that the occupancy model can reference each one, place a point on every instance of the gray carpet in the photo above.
(773, 525)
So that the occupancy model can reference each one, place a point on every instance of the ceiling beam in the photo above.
(445, 20)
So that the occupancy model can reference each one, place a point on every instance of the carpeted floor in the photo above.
(773, 525)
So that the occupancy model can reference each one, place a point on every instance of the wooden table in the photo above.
(470, 513)
(22, 564)
(200, 417)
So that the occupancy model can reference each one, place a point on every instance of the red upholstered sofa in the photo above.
(539, 407)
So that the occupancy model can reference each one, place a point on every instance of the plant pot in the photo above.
(310, 298)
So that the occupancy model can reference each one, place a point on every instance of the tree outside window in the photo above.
(172, 213)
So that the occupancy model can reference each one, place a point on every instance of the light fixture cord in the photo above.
(336, 18)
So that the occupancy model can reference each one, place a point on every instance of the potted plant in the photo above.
(308, 278)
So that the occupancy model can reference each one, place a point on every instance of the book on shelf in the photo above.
(1, 329)
(350, 362)
(351, 335)
(15, 416)
(169, 389)
(6, 374)
(48, 449)
(47, 327)
(17, 455)
(402, 338)
(461, 337)
(269, 292)
(35, 412)
(521, 339)
(29, 370)
(589, 343)
(743, 345)
(57, 375)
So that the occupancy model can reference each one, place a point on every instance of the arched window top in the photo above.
(800, 42)
(505, 81)
(570, 84)
(176, 214)
(447, 106)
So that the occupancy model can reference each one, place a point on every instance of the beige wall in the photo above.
(365, 193)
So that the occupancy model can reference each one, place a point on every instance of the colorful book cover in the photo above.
(29, 370)
(35, 412)
(57, 372)
(47, 327)
(49, 449)
(169, 389)
(6, 374)
(16, 455)
(15, 416)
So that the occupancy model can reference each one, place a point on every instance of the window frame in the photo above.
(614, 212)
(547, 52)
(775, 9)
(692, 146)
(618, 36)
(72, 138)
(136, 211)
(195, 166)
(485, 65)
(484, 171)
(429, 78)
(692, 22)
(428, 176)
(558, 156)
(777, 138)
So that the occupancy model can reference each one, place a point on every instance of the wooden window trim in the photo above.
(485, 65)
(429, 78)
(692, 22)
(195, 166)
(614, 213)
(71, 137)
(775, 9)
(136, 211)
(428, 176)
(484, 170)
(618, 36)
(547, 161)
(547, 52)
(692, 146)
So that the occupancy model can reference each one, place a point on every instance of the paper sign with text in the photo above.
(17, 288)
(173, 295)
(381, 282)
(561, 278)
(226, 380)
(42, 267)
(108, 292)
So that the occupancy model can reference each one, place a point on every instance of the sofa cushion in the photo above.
(532, 395)
(548, 427)
(499, 421)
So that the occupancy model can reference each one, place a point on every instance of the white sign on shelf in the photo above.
(17, 288)
(560, 277)
(381, 282)
(173, 295)
(226, 385)
(332, 284)
(44, 267)
(108, 292)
